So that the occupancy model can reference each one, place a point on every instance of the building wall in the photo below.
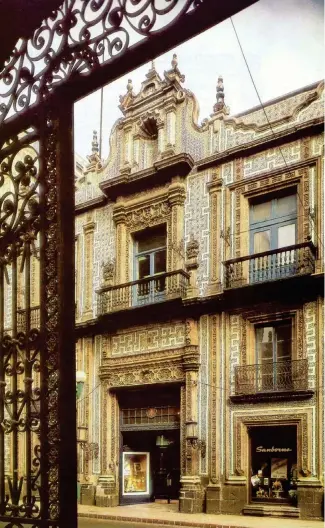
(233, 164)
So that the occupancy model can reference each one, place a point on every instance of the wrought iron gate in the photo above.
(79, 47)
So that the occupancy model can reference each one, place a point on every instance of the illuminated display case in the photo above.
(135, 473)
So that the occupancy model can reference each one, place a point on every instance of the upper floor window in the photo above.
(273, 342)
(150, 252)
(273, 351)
(273, 223)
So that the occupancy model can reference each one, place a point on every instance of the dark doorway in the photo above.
(274, 464)
(162, 451)
(150, 444)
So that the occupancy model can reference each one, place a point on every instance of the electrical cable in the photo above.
(270, 125)
(89, 393)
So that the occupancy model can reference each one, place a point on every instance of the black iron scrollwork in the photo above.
(77, 38)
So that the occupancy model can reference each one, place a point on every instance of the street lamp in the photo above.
(80, 381)
(192, 437)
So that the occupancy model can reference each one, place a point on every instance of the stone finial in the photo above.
(192, 248)
(174, 74)
(126, 100)
(94, 143)
(129, 86)
(108, 271)
(220, 95)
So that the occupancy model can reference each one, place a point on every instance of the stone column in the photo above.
(89, 229)
(119, 216)
(192, 492)
(107, 490)
(175, 249)
(216, 235)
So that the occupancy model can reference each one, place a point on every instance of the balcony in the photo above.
(21, 320)
(272, 380)
(276, 264)
(158, 288)
(34, 318)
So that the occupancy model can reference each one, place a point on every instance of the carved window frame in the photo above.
(264, 184)
(272, 417)
(249, 337)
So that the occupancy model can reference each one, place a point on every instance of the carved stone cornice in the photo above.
(162, 171)
(119, 213)
(177, 193)
(191, 358)
(215, 184)
(89, 227)
(147, 368)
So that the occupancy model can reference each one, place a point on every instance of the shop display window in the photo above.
(274, 464)
(135, 472)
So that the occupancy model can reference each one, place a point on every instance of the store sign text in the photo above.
(261, 449)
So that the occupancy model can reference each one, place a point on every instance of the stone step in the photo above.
(274, 510)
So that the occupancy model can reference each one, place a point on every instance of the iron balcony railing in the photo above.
(21, 320)
(288, 261)
(272, 377)
(158, 288)
(34, 318)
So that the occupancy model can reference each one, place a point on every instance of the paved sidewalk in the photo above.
(168, 514)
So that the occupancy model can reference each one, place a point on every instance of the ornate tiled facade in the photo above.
(192, 343)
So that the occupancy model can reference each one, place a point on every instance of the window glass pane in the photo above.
(264, 342)
(286, 205)
(160, 261)
(262, 241)
(286, 235)
(261, 211)
(143, 266)
(151, 239)
(283, 337)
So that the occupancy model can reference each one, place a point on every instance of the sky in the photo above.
(283, 41)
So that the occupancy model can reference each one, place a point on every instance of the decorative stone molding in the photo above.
(192, 251)
(192, 264)
(142, 369)
(108, 270)
(262, 184)
(191, 358)
(214, 188)
(301, 417)
(89, 229)
(147, 216)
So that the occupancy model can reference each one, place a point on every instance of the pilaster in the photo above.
(176, 199)
(107, 484)
(89, 229)
(119, 216)
(216, 256)
(192, 492)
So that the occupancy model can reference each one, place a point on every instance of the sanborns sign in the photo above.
(261, 449)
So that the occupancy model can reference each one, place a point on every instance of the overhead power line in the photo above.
(270, 124)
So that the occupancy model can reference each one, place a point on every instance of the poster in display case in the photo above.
(135, 473)
(279, 468)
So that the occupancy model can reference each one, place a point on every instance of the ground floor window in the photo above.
(274, 464)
